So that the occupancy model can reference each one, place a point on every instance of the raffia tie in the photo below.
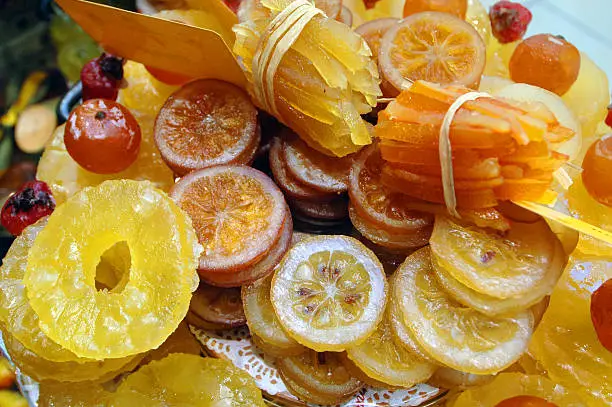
(281, 34)
(446, 153)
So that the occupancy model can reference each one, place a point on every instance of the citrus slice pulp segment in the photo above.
(381, 359)
(332, 210)
(85, 394)
(275, 351)
(329, 292)
(262, 319)
(237, 212)
(489, 305)
(218, 305)
(206, 122)
(432, 46)
(188, 381)
(112, 324)
(501, 266)
(456, 336)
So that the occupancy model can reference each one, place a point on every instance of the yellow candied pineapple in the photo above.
(144, 95)
(133, 317)
(381, 9)
(478, 16)
(324, 83)
(498, 57)
(86, 394)
(186, 381)
(566, 343)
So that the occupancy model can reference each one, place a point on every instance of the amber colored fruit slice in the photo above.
(262, 319)
(181, 341)
(221, 306)
(455, 7)
(432, 46)
(206, 122)
(131, 318)
(84, 394)
(329, 292)
(194, 320)
(275, 351)
(535, 391)
(237, 212)
(314, 169)
(189, 381)
(381, 359)
(458, 337)
(501, 266)
(322, 376)
(447, 378)
(259, 270)
(332, 210)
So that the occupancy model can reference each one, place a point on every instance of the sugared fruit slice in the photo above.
(85, 394)
(222, 306)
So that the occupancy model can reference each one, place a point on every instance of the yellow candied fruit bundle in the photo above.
(323, 83)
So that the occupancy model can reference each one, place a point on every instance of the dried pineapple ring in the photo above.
(137, 317)
(57, 394)
(499, 266)
(382, 360)
(458, 337)
(510, 385)
(188, 381)
(496, 306)
(329, 292)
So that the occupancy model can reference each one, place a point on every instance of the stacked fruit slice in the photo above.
(500, 148)
(216, 308)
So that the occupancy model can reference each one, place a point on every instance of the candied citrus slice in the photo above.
(275, 351)
(501, 266)
(489, 305)
(318, 377)
(237, 212)
(458, 337)
(402, 336)
(221, 306)
(541, 391)
(262, 319)
(359, 374)
(332, 210)
(381, 359)
(447, 378)
(188, 381)
(432, 46)
(131, 318)
(329, 292)
(85, 394)
(206, 122)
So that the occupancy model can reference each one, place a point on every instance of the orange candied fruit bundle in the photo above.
(501, 149)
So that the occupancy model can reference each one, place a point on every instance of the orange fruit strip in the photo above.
(477, 170)
(522, 190)
(436, 183)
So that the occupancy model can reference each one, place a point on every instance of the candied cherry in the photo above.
(601, 314)
(102, 77)
(509, 21)
(609, 116)
(31, 202)
(546, 61)
(455, 7)
(102, 136)
(597, 166)
(525, 401)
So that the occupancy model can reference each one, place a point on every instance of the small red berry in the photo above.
(102, 77)
(370, 4)
(31, 202)
(601, 313)
(509, 21)
(609, 116)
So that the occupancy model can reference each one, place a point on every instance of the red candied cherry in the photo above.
(509, 21)
(31, 202)
(601, 313)
(525, 401)
(102, 136)
(596, 170)
(102, 77)
(233, 4)
(609, 116)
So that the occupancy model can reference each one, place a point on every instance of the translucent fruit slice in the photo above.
(500, 266)
(329, 292)
(131, 318)
(188, 381)
(536, 391)
(458, 337)
(262, 319)
(206, 122)
(222, 306)
(402, 335)
(381, 359)
(275, 351)
(447, 378)
(85, 394)
(359, 374)
(318, 377)
(237, 212)
(432, 46)
(331, 8)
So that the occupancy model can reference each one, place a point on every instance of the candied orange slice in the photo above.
(85, 394)
(329, 292)
(206, 122)
(332, 210)
(237, 212)
(500, 266)
(189, 381)
(100, 324)
(456, 336)
(432, 46)
(222, 306)
(318, 377)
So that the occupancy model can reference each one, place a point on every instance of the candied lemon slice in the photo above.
(329, 292)
(566, 343)
(456, 336)
(275, 351)
(448, 378)
(500, 266)
(496, 306)
(85, 394)
(60, 277)
(382, 360)
(509, 386)
(188, 381)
